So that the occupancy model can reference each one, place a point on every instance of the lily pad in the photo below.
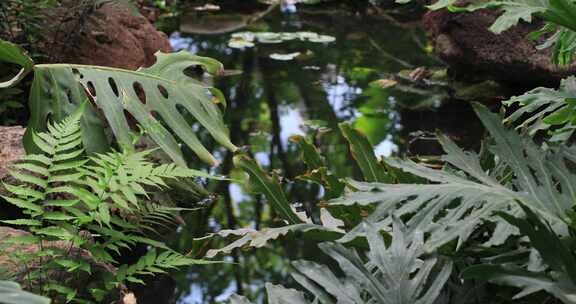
(248, 36)
(322, 39)
(240, 44)
(285, 57)
(249, 39)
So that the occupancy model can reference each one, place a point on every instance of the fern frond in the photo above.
(153, 263)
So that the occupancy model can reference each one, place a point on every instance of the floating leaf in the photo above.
(248, 39)
(284, 57)
(240, 44)
(322, 39)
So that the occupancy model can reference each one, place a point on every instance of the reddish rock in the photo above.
(11, 148)
(464, 42)
(110, 35)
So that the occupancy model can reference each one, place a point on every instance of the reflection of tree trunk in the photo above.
(315, 99)
(276, 148)
(318, 107)
(225, 190)
(243, 95)
(237, 113)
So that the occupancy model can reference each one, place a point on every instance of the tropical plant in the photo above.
(553, 271)
(393, 274)
(82, 211)
(158, 98)
(545, 109)
(474, 194)
(466, 194)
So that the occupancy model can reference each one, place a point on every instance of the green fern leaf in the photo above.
(24, 204)
(23, 222)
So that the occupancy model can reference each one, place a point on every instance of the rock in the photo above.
(464, 42)
(109, 35)
(11, 148)
(9, 262)
(11, 265)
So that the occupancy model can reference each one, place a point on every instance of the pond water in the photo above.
(364, 69)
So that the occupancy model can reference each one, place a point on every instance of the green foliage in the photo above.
(331, 221)
(393, 274)
(557, 277)
(269, 187)
(317, 172)
(69, 199)
(474, 194)
(363, 153)
(250, 238)
(158, 98)
(14, 54)
(11, 293)
(465, 195)
(153, 264)
(545, 109)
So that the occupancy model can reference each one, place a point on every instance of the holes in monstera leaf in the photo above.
(132, 121)
(113, 86)
(69, 96)
(91, 89)
(187, 115)
(77, 74)
(139, 90)
(195, 71)
(163, 91)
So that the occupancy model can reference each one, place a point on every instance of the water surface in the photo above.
(367, 76)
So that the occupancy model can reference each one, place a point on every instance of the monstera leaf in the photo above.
(465, 195)
(161, 99)
(14, 54)
(158, 98)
